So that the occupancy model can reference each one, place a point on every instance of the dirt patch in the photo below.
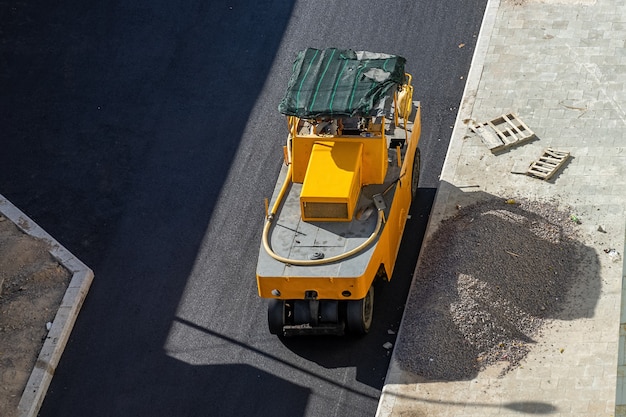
(32, 285)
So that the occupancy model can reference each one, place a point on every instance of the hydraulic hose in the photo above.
(310, 262)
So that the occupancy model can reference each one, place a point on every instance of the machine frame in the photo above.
(337, 215)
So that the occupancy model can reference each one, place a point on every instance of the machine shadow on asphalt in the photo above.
(273, 358)
(338, 352)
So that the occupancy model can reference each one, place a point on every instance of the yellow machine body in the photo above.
(374, 154)
(332, 182)
(339, 209)
(383, 256)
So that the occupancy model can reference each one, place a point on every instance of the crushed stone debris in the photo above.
(489, 279)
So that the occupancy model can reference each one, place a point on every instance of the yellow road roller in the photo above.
(351, 168)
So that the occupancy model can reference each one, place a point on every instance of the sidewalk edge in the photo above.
(394, 373)
(64, 320)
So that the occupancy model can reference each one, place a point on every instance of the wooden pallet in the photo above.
(548, 164)
(503, 132)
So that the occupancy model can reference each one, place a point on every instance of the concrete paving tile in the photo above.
(574, 94)
(556, 113)
(600, 408)
(547, 75)
(561, 406)
(579, 408)
(560, 375)
(482, 94)
(611, 77)
(603, 383)
(612, 123)
(583, 384)
(616, 43)
(560, 24)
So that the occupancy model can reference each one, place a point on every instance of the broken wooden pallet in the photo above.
(503, 132)
(548, 163)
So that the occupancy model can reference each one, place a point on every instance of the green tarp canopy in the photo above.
(336, 82)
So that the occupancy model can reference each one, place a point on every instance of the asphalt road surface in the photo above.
(144, 136)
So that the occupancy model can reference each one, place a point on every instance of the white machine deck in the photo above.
(293, 238)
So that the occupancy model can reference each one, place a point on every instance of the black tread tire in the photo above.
(276, 316)
(415, 175)
(359, 314)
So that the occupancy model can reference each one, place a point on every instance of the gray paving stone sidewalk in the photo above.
(560, 65)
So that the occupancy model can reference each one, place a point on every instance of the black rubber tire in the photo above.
(359, 314)
(415, 178)
(301, 312)
(276, 316)
(329, 311)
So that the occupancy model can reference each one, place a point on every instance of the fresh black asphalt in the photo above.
(144, 137)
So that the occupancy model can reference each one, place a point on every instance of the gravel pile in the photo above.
(489, 279)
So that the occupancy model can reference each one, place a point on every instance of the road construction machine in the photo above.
(334, 223)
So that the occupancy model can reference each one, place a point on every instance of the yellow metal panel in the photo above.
(333, 178)
(327, 288)
(374, 164)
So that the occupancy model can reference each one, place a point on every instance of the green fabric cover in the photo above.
(336, 82)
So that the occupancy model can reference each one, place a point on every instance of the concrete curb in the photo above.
(465, 112)
(394, 373)
(59, 334)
